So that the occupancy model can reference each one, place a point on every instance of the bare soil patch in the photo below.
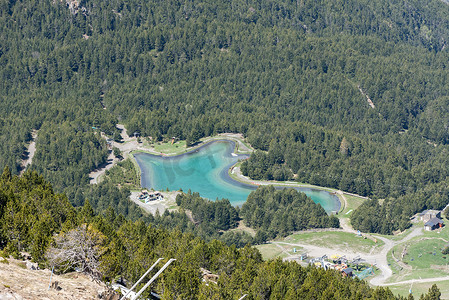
(17, 282)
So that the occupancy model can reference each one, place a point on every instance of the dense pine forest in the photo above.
(109, 247)
(271, 213)
(349, 94)
(344, 94)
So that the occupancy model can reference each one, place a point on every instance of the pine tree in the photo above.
(86, 214)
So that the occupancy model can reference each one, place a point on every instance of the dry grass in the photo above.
(22, 283)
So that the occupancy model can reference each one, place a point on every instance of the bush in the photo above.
(445, 251)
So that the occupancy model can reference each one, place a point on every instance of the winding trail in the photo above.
(110, 162)
(31, 150)
(128, 145)
(383, 263)
(435, 279)
(378, 259)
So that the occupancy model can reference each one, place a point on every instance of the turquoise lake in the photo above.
(205, 170)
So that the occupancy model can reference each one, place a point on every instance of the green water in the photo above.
(205, 171)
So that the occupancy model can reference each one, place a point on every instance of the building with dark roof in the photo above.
(428, 214)
(347, 272)
(433, 223)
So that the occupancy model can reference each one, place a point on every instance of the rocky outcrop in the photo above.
(75, 6)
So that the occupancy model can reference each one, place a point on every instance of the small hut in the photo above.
(347, 272)
(433, 224)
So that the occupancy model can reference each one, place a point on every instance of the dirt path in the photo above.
(344, 223)
(124, 132)
(31, 150)
(370, 102)
(238, 173)
(244, 179)
(342, 196)
(424, 280)
(317, 251)
(110, 162)
(236, 137)
(383, 263)
(282, 249)
(128, 145)
(190, 216)
(378, 259)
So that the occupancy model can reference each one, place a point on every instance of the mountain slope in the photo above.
(288, 75)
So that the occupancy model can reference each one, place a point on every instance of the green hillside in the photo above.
(293, 76)
(34, 218)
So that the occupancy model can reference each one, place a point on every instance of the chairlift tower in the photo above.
(150, 281)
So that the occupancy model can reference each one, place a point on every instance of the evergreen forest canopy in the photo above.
(293, 76)
(36, 219)
(271, 213)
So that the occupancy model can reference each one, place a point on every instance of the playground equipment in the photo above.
(365, 273)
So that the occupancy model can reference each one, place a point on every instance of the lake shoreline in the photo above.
(235, 174)
(224, 174)
(192, 149)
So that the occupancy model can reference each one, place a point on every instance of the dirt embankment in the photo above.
(18, 282)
